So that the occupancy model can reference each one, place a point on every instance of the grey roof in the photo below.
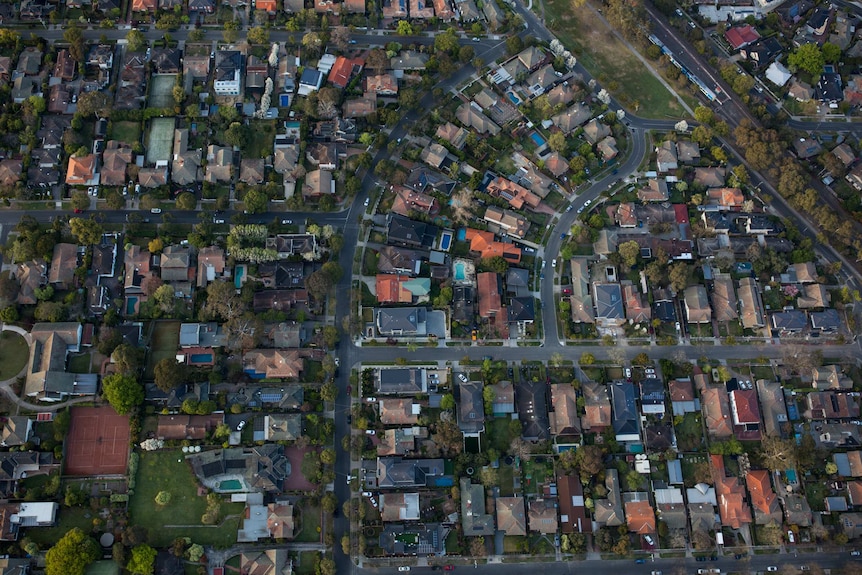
(532, 401)
(401, 321)
(792, 320)
(401, 381)
(471, 408)
(397, 472)
(474, 519)
(609, 301)
(625, 419)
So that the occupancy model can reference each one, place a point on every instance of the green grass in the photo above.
(263, 136)
(166, 340)
(79, 363)
(514, 544)
(128, 132)
(67, 518)
(306, 563)
(103, 568)
(13, 354)
(506, 479)
(498, 434)
(168, 471)
(310, 532)
(610, 61)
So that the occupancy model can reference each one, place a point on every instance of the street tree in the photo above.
(135, 40)
(257, 35)
(186, 201)
(123, 392)
(80, 200)
(86, 231)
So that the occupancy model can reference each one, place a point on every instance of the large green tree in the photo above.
(123, 392)
(808, 57)
(87, 232)
(142, 561)
(71, 555)
(168, 374)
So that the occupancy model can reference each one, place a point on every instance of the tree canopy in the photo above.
(71, 555)
(142, 561)
(168, 374)
(123, 392)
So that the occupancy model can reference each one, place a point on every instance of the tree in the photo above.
(8, 287)
(629, 252)
(186, 201)
(243, 332)
(257, 35)
(256, 201)
(87, 232)
(678, 275)
(75, 37)
(590, 459)
(704, 115)
(80, 200)
(340, 37)
(447, 402)
(123, 392)
(587, 359)
(514, 44)
(327, 566)
(831, 53)
(71, 555)
(807, 57)
(329, 391)
(312, 42)
(222, 301)
(135, 40)
(404, 28)
(164, 298)
(557, 141)
(94, 103)
(50, 311)
(777, 454)
(377, 60)
(446, 41)
(195, 552)
(168, 374)
(142, 561)
(163, 498)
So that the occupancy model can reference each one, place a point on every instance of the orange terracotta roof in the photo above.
(390, 289)
(640, 517)
(760, 489)
(483, 243)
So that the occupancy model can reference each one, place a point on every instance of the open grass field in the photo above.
(160, 140)
(128, 132)
(610, 61)
(168, 471)
(13, 354)
(166, 340)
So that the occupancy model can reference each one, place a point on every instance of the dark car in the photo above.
(640, 561)
(700, 558)
(349, 419)
(713, 558)
(738, 556)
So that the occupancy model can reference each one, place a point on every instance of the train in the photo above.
(710, 95)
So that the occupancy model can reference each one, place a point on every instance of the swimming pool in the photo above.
(791, 475)
(201, 358)
(537, 138)
(131, 303)
(460, 271)
(513, 98)
(445, 241)
(240, 274)
(230, 485)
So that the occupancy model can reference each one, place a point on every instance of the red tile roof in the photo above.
(743, 404)
(741, 36)
(488, 288)
(760, 490)
(483, 243)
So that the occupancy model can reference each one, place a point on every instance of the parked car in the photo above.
(738, 556)
(463, 377)
(370, 432)
(640, 561)
(370, 399)
(156, 211)
(404, 569)
(855, 553)
(286, 222)
(240, 426)
(655, 572)
(772, 569)
(449, 568)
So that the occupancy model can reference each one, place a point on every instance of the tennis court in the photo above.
(160, 140)
(98, 442)
(162, 90)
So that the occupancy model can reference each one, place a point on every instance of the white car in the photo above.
(366, 494)
(156, 211)
(240, 426)
(367, 200)
(404, 569)
(462, 377)
(554, 262)
(855, 553)
(772, 568)
(587, 203)
(286, 222)
(218, 221)
(370, 399)
(350, 478)
(370, 432)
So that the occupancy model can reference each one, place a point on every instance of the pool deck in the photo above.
(188, 353)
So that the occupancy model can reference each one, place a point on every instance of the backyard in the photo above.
(161, 91)
(168, 471)
(128, 132)
(160, 140)
(166, 339)
(260, 145)
(13, 354)
(610, 61)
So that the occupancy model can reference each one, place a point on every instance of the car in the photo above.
(463, 377)
(488, 357)
(366, 494)
(367, 200)
(477, 39)
(772, 569)
(286, 222)
(218, 221)
(543, 264)
(678, 12)
(569, 209)
(74, 98)
(78, 211)
(655, 573)
(349, 419)
(700, 558)
(448, 568)
(350, 478)
(554, 262)
(240, 426)
(404, 569)
(855, 553)
(581, 209)
(804, 568)
(370, 432)
(370, 399)
(156, 211)
(352, 42)
(676, 326)
(563, 236)
(640, 561)
(628, 372)
(713, 558)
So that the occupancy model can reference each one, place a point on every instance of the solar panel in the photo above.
(270, 397)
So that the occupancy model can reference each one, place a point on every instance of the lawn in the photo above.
(689, 432)
(310, 532)
(306, 563)
(103, 568)
(498, 434)
(79, 363)
(168, 471)
(263, 136)
(506, 480)
(67, 518)
(166, 340)
(13, 354)
(610, 61)
(128, 132)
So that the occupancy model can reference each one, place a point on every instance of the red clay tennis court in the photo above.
(98, 442)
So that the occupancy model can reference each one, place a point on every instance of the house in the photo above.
(626, 420)
(494, 14)
(504, 398)
(82, 171)
(175, 263)
(595, 130)
(382, 85)
(572, 118)
(763, 499)
(697, 308)
(401, 381)
(154, 177)
(826, 321)
(31, 275)
(655, 191)
(709, 177)
(507, 222)
(467, 10)
(564, 417)
(556, 164)
(573, 513)
(750, 306)
(471, 116)
(186, 164)
(268, 562)
(746, 414)
(636, 304)
(540, 80)
(796, 510)
(410, 233)
(116, 157)
(454, 135)
(511, 519)
(778, 74)
(813, 296)
(405, 322)
(805, 148)
(219, 164)
(144, 5)
(434, 155)
(789, 322)
(228, 73)
(562, 95)
(46, 376)
(15, 431)
(29, 61)
(732, 508)
(419, 9)
(801, 91)
(726, 198)
(354, 6)
(471, 408)
(489, 291)
(474, 520)
(64, 262)
(65, 67)
(400, 473)
(800, 273)
(640, 517)
(652, 396)
(682, 399)
(399, 411)
(532, 405)
(282, 426)
(542, 516)
(196, 66)
(608, 301)
(716, 412)
(483, 243)
(344, 70)
(666, 157)
(609, 511)
(580, 298)
(191, 427)
(273, 363)
(665, 310)
(396, 9)
(724, 301)
(597, 407)
(407, 200)
(844, 153)
(399, 507)
(359, 107)
(762, 52)
(831, 405)
(285, 157)
(830, 377)
(741, 36)
(772, 401)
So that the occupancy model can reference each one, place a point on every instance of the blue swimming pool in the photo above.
(284, 100)
(131, 302)
(445, 241)
(791, 475)
(537, 138)
(240, 273)
(201, 358)
(230, 485)
(460, 271)
(513, 98)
